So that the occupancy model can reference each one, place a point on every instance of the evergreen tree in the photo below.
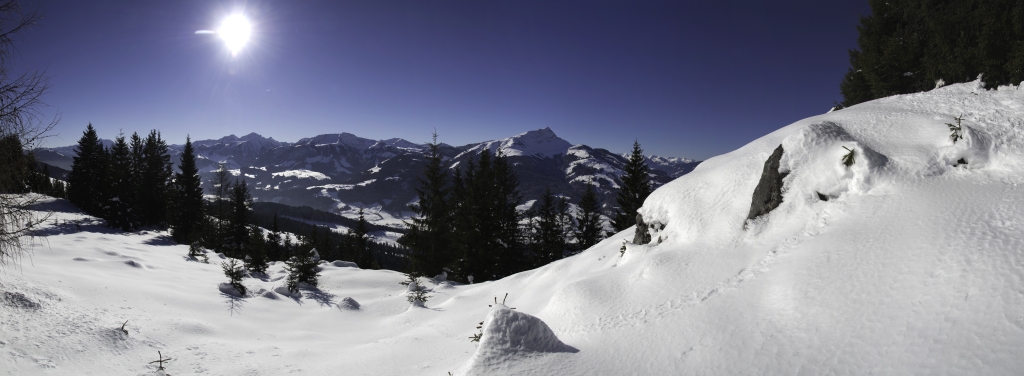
(302, 268)
(218, 237)
(189, 217)
(549, 235)
(636, 186)
(155, 189)
(238, 222)
(256, 251)
(274, 248)
(361, 244)
(88, 170)
(48, 184)
(906, 46)
(16, 168)
(428, 238)
(488, 238)
(121, 194)
(235, 272)
(588, 219)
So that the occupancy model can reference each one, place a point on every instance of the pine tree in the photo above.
(235, 272)
(256, 251)
(636, 186)
(16, 168)
(189, 217)
(88, 170)
(218, 238)
(302, 268)
(590, 227)
(428, 238)
(120, 206)
(274, 248)
(549, 237)
(361, 243)
(238, 222)
(155, 189)
(906, 46)
(487, 233)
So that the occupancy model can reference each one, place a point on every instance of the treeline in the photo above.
(908, 46)
(132, 186)
(467, 224)
(20, 173)
(353, 245)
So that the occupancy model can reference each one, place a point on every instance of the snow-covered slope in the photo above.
(913, 266)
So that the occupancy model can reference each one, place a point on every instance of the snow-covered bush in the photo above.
(195, 252)
(957, 131)
(235, 272)
(417, 294)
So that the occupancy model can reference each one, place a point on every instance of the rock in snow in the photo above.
(768, 194)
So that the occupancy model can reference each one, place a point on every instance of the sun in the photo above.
(235, 30)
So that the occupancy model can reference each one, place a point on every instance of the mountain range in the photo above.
(342, 173)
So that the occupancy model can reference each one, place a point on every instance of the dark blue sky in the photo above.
(692, 79)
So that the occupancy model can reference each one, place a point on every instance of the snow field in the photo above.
(913, 266)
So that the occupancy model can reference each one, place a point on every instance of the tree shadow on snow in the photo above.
(161, 240)
(234, 303)
(323, 297)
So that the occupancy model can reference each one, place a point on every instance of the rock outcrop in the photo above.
(642, 234)
(768, 193)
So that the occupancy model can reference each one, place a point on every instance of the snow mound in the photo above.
(508, 334)
(348, 304)
(227, 288)
(135, 264)
(18, 300)
(344, 264)
(283, 290)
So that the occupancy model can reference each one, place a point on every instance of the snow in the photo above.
(301, 174)
(542, 143)
(913, 266)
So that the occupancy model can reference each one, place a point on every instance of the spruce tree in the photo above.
(510, 253)
(155, 189)
(16, 170)
(120, 206)
(218, 238)
(549, 235)
(488, 237)
(428, 238)
(256, 251)
(238, 223)
(906, 46)
(361, 244)
(189, 218)
(590, 227)
(274, 248)
(302, 268)
(636, 186)
(88, 170)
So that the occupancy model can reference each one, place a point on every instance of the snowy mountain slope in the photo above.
(913, 266)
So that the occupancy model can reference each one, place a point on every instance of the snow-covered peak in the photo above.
(541, 143)
(345, 139)
(254, 139)
(401, 143)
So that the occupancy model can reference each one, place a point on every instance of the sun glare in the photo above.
(235, 31)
